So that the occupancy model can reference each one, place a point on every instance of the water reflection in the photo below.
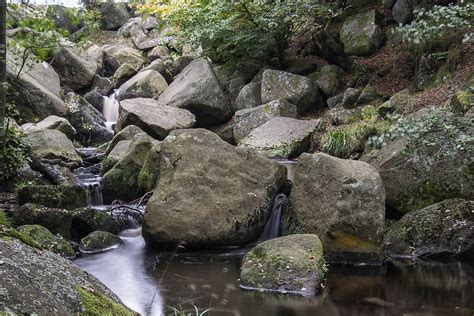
(212, 281)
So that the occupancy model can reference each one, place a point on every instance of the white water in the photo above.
(111, 109)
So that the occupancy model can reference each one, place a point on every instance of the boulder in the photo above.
(159, 52)
(114, 15)
(46, 75)
(51, 286)
(121, 182)
(297, 90)
(159, 66)
(327, 79)
(396, 104)
(402, 11)
(145, 84)
(118, 55)
(102, 85)
(126, 133)
(89, 123)
(361, 34)
(44, 239)
(281, 137)
(52, 122)
(156, 119)
(145, 33)
(119, 151)
(196, 89)
(148, 176)
(62, 196)
(349, 100)
(349, 195)
(441, 230)
(61, 18)
(95, 99)
(88, 219)
(123, 73)
(249, 119)
(52, 144)
(99, 241)
(428, 167)
(250, 96)
(209, 193)
(287, 265)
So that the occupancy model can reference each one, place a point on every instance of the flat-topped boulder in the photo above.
(52, 122)
(153, 117)
(210, 193)
(52, 144)
(145, 84)
(281, 137)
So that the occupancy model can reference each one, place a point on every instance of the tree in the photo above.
(3, 63)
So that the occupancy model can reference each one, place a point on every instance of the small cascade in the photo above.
(111, 109)
(272, 227)
(89, 177)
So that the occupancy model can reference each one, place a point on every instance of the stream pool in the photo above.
(148, 282)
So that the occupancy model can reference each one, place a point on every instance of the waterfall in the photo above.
(111, 109)
(272, 227)
(89, 178)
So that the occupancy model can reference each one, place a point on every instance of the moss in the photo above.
(343, 241)
(422, 195)
(46, 240)
(11, 233)
(99, 304)
(4, 219)
(56, 196)
(146, 180)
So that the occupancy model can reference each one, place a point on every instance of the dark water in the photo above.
(148, 283)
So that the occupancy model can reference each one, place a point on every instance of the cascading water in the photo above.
(272, 227)
(111, 109)
(89, 177)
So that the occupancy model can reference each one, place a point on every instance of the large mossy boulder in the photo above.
(145, 84)
(297, 90)
(281, 137)
(121, 182)
(327, 79)
(343, 202)
(249, 119)
(99, 241)
(197, 90)
(52, 122)
(288, 265)
(209, 192)
(52, 144)
(442, 230)
(153, 117)
(51, 286)
(62, 196)
(433, 162)
(46, 240)
(361, 34)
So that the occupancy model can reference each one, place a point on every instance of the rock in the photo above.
(249, 119)
(350, 196)
(388, 4)
(61, 18)
(209, 193)
(295, 89)
(119, 151)
(52, 285)
(88, 219)
(148, 176)
(156, 119)
(281, 137)
(146, 34)
(402, 11)
(52, 144)
(46, 75)
(287, 265)
(396, 104)
(180, 64)
(429, 167)
(99, 241)
(56, 220)
(461, 102)
(335, 101)
(46, 240)
(62, 196)
(328, 79)
(95, 99)
(349, 100)
(52, 122)
(302, 66)
(76, 72)
(146, 84)
(159, 66)
(102, 85)
(250, 96)
(116, 56)
(159, 52)
(126, 133)
(114, 15)
(121, 182)
(226, 132)
(442, 230)
(89, 123)
(123, 74)
(361, 34)
(197, 90)
(367, 95)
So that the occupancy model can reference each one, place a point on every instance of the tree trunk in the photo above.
(3, 63)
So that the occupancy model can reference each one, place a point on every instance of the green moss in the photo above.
(424, 194)
(4, 219)
(55, 196)
(146, 180)
(11, 233)
(46, 240)
(98, 304)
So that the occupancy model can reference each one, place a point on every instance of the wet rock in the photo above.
(95, 99)
(114, 15)
(197, 90)
(99, 241)
(156, 119)
(297, 90)
(361, 34)
(281, 137)
(44, 239)
(287, 265)
(442, 230)
(52, 286)
(249, 119)
(52, 144)
(250, 96)
(328, 79)
(402, 11)
(52, 122)
(211, 193)
(126, 133)
(350, 196)
(62, 196)
(145, 84)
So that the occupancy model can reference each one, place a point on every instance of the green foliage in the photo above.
(4, 219)
(91, 19)
(12, 152)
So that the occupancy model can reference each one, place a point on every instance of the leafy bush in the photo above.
(12, 152)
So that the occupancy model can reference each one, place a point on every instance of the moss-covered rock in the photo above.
(288, 265)
(99, 241)
(114, 156)
(442, 230)
(87, 220)
(58, 196)
(148, 176)
(95, 303)
(461, 102)
(46, 240)
(125, 134)
(52, 144)
(361, 34)
(328, 79)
